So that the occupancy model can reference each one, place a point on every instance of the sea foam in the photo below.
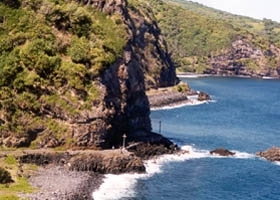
(277, 163)
(190, 102)
(116, 187)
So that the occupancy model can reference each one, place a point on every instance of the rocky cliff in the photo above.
(93, 90)
(245, 59)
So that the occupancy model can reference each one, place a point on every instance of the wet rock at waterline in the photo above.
(202, 96)
(272, 154)
(222, 152)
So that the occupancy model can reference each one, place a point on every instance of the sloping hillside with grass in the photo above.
(205, 40)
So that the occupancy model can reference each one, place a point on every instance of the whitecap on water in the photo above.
(243, 155)
(277, 163)
(190, 102)
(119, 186)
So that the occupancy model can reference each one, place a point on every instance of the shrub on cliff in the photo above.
(52, 54)
(5, 176)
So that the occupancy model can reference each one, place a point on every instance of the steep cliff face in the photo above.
(73, 118)
(245, 59)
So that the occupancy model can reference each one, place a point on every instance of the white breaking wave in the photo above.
(243, 155)
(116, 187)
(190, 102)
(277, 163)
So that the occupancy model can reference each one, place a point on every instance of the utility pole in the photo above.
(159, 128)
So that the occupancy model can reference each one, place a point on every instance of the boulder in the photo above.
(202, 96)
(272, 154)
(222, 152)
(5, 176)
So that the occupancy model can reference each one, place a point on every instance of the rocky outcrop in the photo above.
(272, 154)
(167, 98)
(149, 150)
(245, 59)
(149, 145)
(202, 96)
(170, 96)
(105, 164)
(222, 152)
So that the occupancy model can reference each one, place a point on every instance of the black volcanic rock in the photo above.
(5, 176)
(272, 154)
(202, 96)
(222, 152)
(110, 163)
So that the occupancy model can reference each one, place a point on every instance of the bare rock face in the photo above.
(245, 59)
(202, 96)
(222, 152)
(272, 154)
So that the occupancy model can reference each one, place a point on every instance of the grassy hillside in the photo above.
(265, 27)
(195, 34)
(51, 54)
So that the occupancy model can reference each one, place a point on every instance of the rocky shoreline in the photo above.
(272, 154)
(76, 174)
(171, 97)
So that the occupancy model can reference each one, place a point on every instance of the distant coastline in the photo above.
(196, 75)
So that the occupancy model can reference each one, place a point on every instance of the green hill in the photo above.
(265, 27)
(203, 39)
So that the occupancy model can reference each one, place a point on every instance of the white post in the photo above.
(124, 136)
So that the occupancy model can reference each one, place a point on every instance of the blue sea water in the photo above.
(245, 118)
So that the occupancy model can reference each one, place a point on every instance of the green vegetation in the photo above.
(189, 34)
(259, 27)
(12, 177)
(51, 54)
(182, 87)
(195, 33)
(10, 160)
(21, 185)
(9, 197)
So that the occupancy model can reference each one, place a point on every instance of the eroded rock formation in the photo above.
(272, 154)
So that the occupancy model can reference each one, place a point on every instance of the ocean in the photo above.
(243, 117)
